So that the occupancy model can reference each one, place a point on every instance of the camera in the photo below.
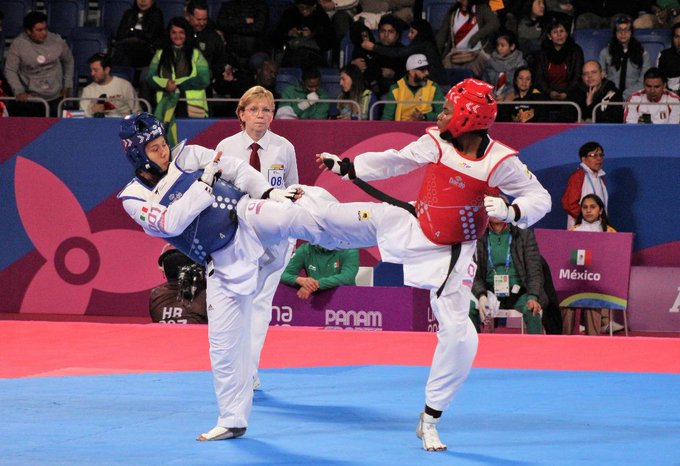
(190, 279)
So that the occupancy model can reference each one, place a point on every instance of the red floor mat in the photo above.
(29, 348)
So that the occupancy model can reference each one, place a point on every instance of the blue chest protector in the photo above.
(215, 227)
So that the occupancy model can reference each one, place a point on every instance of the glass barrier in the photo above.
(32, 99)
(78, 112)
(579, 115)
(625, 105)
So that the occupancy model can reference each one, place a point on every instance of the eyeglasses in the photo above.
(592, 155)
(255, 110)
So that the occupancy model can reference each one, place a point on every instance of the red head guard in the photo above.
(474, 107)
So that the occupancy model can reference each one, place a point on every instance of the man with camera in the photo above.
(653, 104)
(115, 97)
(181, 300)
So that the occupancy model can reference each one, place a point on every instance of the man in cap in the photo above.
(415, 93)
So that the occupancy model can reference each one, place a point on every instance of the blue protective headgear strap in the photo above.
(136, 131)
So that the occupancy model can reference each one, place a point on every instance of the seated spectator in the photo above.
(651, 104)
(244, 24)
(663, 14)
(324, 269)
(595, 89)
(353, 88)
(139, 35)
(39, 64)
(669, 61)
(502, 64)
(600, 14)
(179, 71)
(309, 91)
(558, 67)
(305, 34)
(592, 217)
(624, 60)
(182, 299)
(380, 71)
(415, 94)
(421, 41)
(466, 35)
(107, 95)
(524, 91)
(588, 178)
(509, 268)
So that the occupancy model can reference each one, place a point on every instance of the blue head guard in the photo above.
(136, 131)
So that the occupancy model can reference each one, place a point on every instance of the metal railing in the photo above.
(579, 114)
(32, 99)
(137, 101)
(548, 103)
(601, 105)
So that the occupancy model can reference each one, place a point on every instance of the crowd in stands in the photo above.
(578, 55)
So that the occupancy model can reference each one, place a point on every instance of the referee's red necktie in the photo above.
(254, 158)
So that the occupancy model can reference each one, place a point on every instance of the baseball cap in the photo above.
(415, 61)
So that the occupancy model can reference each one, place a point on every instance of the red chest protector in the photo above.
(450, 204)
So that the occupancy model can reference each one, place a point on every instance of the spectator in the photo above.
(244, 25)
(664, 14)
(654, 103)
(530, 28)
(207, 39)
(592, 217)
(524, 92)
(509, 268)
(600, 14)
(421, 41)
(466, 35)
(178, 71)
(139, 35)
(116, 96)
(669, 61)
(309, 91)
(305, 34)
(624, 60)
(39, 64)
(324, 269)
(502, 64)
(353, 88)
(588, 178)
(558, 67)
(595, 89)
(381, 71)
(415, 94)
(182, 299)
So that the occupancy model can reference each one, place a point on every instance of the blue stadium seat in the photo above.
(170, 9)
(276, 9)
(214, 8)
(85, 42)
(14, 11)
(435, 11)
(330, 82)
(592, 41)
(388, 274)
(123, 71)
(653, 49)
(286, 77)
(110, 14)
(346, 49)
(456, 75)
(64, 15)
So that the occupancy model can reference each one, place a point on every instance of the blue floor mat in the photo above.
(344, 416)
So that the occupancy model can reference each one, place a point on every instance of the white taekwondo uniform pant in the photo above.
(401, 240)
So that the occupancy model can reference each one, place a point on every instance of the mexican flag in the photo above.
(581, 256)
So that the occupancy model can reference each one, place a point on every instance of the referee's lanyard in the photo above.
(501, 282)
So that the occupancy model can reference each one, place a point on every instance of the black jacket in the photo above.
(605, 113)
